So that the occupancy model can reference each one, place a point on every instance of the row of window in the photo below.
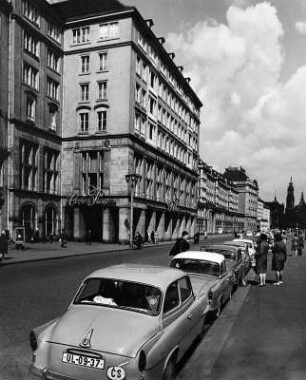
(32, 46)
(31, 12)
(100, 120)
(31, 112)
(106, 31)
(101, 91)
(30, 168)
(142, 70)
(172, 100)
(31, 78)
(158, 183)
(101, 63)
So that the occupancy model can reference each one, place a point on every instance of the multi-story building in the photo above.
(33, 129)
(248, 195)
(217, 202)
(5, 10)
(127, 108)
(263, 216)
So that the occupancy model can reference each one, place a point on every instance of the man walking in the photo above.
(181, 245)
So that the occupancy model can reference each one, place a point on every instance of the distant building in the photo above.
(218, 201)
(248, 195)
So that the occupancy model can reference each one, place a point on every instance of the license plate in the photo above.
(82, 360)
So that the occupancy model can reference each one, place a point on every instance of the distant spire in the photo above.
(302, 201)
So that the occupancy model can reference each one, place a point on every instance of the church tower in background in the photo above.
(290, 198)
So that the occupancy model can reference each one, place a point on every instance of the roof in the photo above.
(200, 255)
(81, 8)
(146, 274)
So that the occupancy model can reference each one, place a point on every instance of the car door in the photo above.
(177, 319)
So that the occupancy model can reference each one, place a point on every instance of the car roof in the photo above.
(201, 255)
(153, 275)
(225, 247)
(245, 240)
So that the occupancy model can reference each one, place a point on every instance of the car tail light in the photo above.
(142, 361)
(210, 296)
(33, 341)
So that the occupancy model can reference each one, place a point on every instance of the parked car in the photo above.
(126, 321)
(245, 250)
(209, 276)
(251, 248)
(234, 260)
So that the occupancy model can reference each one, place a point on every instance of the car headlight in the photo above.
(142, 361)
(33, 341)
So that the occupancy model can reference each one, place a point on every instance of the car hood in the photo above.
(202, 283)
(116, 331)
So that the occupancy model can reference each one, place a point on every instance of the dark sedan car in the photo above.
(234, 259)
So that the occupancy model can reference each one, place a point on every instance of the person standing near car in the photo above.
(3, 246)
(181, 245)
(279, 258)
(261, 257)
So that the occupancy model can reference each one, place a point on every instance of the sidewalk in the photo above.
(47, 251)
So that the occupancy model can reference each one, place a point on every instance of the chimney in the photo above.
(149, 22)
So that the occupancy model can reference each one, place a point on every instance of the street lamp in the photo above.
(132, 179)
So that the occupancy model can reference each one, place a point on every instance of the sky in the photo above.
(247, 63)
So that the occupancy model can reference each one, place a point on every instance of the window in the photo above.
(185, 289)
(84, 92)
(53, 31)
(28, 165)
(53, 119)
(30, 76)
(101, 120)
(31, 12)
(171, 297)
(151, 131)
(83, 121)
(92, 171)
(53, 61)
(108, 31)
(80, 35)
(85, 64)
(52, 89)
(102, 61)
(102, 90)
(51, 171)
(31, 44)
(31, 108)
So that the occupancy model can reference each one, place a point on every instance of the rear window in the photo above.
(120, 294)
(197, 266)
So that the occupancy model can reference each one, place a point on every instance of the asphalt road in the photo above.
(33, 293)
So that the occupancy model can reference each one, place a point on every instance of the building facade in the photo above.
(127, 109)
(94, 97)
(218, 203)
(248, 195)
(32, 127)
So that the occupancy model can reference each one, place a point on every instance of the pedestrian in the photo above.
(196, 238)
(88, 237)
(63, 239)
(138, 240)
(181, 245)
(36, 236)
(279, 258)
(284, 236)
(3, 245)
(153, 237)
(294, 245)
(300, 243)
(261, 257)
(156, 237)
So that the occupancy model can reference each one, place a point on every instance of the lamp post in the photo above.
(132, 179)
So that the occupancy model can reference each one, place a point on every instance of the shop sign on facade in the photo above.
(96, 197)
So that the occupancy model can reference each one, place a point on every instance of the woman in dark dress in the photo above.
(261, 257)
(279, 258)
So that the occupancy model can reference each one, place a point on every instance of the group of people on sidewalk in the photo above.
(279, 258)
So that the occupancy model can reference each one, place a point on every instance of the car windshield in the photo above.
(120, 294)
(197, 266)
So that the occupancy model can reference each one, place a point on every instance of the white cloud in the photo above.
(249, 117)
(300, 27)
